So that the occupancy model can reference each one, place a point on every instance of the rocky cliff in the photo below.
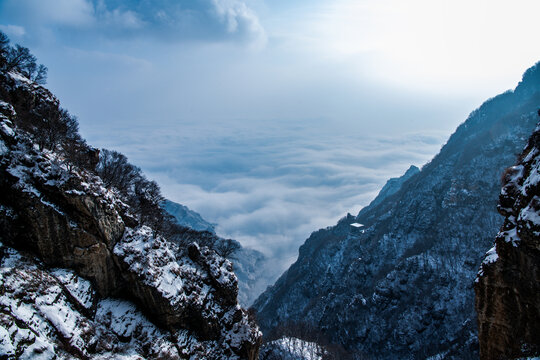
(508, 284)
(401, 287)
(250, 266)
(80, 277)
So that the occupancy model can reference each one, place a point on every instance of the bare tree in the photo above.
(227, 247)
(19, 58)
(115, 170)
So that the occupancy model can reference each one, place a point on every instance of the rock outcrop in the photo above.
(252, 268)
(81, 278)
(401, 287)
(508, 284)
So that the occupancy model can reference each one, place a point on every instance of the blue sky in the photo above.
(275, 118)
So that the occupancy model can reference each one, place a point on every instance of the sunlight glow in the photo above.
(428, 41)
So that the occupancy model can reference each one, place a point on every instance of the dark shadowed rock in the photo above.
(508, 284)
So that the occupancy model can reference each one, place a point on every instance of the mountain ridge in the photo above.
(403, 287)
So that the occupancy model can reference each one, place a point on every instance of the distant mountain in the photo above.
(393, 185)
(254, 272)
(187, 217)
(402, 287)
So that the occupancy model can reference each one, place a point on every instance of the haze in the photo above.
(275, 118)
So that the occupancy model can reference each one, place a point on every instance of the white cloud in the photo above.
(77, 13)
(269, 185)
(13, 30)
(239, 18)
(164, 20)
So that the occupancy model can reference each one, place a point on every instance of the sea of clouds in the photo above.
(270, 184)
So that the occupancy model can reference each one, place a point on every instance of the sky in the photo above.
(275, 118)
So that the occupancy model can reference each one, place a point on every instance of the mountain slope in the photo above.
(81, 273)
(186, 217)
(393, 185)
(403, 287)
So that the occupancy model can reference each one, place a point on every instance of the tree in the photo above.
(4, 49)
(40, 75)
(54, 126)
(148, 197)
(115, 170)
(227, 248)
(78, 154)
(19, 58)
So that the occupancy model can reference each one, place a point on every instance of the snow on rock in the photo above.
(91, 249)
(508, 284)
(197, 287)
(35, 310)
(291, 348)
(79, 288)
(40, 318)
(491, 256)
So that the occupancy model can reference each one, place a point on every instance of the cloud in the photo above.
(239, 18)
(269, 185)
(52, 12)
(163, 20)
(13, 30)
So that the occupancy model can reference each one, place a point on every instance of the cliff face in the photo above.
(79, 277)
(250, 266)
(402, 286)
(508, 284)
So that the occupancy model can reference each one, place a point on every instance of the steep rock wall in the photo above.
(508, 285)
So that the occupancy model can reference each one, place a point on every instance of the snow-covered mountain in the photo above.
(393, 185)
(401, 286)
(186, 217)
(250, 266)
(82, 275)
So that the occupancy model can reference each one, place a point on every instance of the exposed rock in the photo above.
(508, 284)
(185, 307)
(252, 268)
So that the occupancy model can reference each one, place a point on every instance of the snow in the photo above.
(154, 261)
(19, 77)
(491, 256)
(291, 348)
(79, 288)
(357, 225)
(529, 213)
(40, 318)
(7, 130)
(3, 148)
(61, 315)
(532, 180)
(510, 236)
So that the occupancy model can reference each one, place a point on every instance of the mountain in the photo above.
(250, 266)
(89, 270)
(401, 287)
(252, 269)
(187, 217)
(393, 185)
(508, 284)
